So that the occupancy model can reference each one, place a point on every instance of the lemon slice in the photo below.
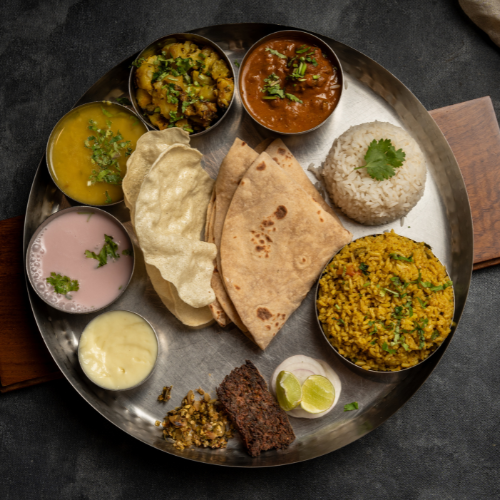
(318, 394)
(288, 391)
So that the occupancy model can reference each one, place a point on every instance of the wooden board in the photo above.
(472, 131)
(24, 358)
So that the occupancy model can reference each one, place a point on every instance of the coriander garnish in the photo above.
(351, 406)
(382, 159)
(109, 249)
(62, 284)
(237, 64)
(276, 53)
(123, 100)
(274, 91)
(106, 149)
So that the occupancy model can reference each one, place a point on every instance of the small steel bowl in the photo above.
(52, 134)
(154, 364)
(48, 221)
(154, 48)
(314, 40)
(356, 368)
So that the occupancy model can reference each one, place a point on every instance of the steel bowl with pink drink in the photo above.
(80, 260)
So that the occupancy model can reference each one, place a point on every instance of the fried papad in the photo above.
(276, 240)
(262, 424)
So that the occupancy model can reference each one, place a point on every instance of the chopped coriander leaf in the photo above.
(108, 198)
(341, 322)
(351, 406)
(337, 306)
(109, 249)
(105, 112)
(364, 268)
(302, 49)
(441, 287)
(139, 62)
(385, 347)
(62, 284)
(127, 251)
(396, 256)
(157, 110)
(422, 303)
(237, 64)
(123, 100)
(382, 159)
(276, 53)
(368, 283)
(434, 335)
(293, 98)
(315, 77)
(373, 341)
(120, 287)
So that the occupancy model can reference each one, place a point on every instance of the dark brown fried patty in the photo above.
(263, 425)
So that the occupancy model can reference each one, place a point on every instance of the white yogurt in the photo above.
(118, 350)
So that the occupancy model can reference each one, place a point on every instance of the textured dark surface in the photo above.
(444, 444)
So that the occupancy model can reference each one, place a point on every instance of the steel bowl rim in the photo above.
(148, 376)
(131, 86)
(347, 361)
(54, 216)
(47, 155)
(281, 33)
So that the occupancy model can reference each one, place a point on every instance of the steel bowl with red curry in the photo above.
(289, 83)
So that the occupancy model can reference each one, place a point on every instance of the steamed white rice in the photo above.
(362, 198)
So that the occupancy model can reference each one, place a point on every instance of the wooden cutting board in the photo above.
(472, 131)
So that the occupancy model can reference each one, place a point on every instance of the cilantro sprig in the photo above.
(62, 284)
(276, 53)
(110, 249)
(274, 91)
(382, 159)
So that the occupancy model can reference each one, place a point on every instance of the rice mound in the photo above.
(362, 198)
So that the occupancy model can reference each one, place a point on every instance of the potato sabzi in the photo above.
(183, 86)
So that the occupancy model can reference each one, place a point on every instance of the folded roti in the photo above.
(278, 151)
(275, 241)
(232, 169)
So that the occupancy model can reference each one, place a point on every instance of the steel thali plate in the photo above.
(202, 357)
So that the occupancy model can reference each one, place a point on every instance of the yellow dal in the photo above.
(69, 159)
(359, 317)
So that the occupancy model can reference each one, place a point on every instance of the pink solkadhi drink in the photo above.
(81, 261)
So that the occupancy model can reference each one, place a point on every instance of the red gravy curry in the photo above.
(288, 85)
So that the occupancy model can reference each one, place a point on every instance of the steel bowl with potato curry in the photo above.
(183, 86)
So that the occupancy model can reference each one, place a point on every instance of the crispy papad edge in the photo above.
(259, 419)
(348, 236)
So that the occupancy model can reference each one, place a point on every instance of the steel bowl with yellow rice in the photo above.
(385, 302)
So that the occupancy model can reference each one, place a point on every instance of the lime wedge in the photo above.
(288, 390)
(318, 394)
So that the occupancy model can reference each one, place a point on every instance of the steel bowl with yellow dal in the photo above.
(88, 150)
(385, 302)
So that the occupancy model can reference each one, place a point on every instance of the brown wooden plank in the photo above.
(23, 354)
(472, 131)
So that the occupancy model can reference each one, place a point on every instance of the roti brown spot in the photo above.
(269, 239)
(237, 287)
(281, 212)
(243, 143)
(264, 314)
(267, 223)
(261, 166)
(259, 248)
(281, 151)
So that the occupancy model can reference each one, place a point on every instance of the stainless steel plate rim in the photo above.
(451, 225)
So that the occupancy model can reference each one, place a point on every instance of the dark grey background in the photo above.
(444, 444)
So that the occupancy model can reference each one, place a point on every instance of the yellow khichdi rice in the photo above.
(385, 302)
